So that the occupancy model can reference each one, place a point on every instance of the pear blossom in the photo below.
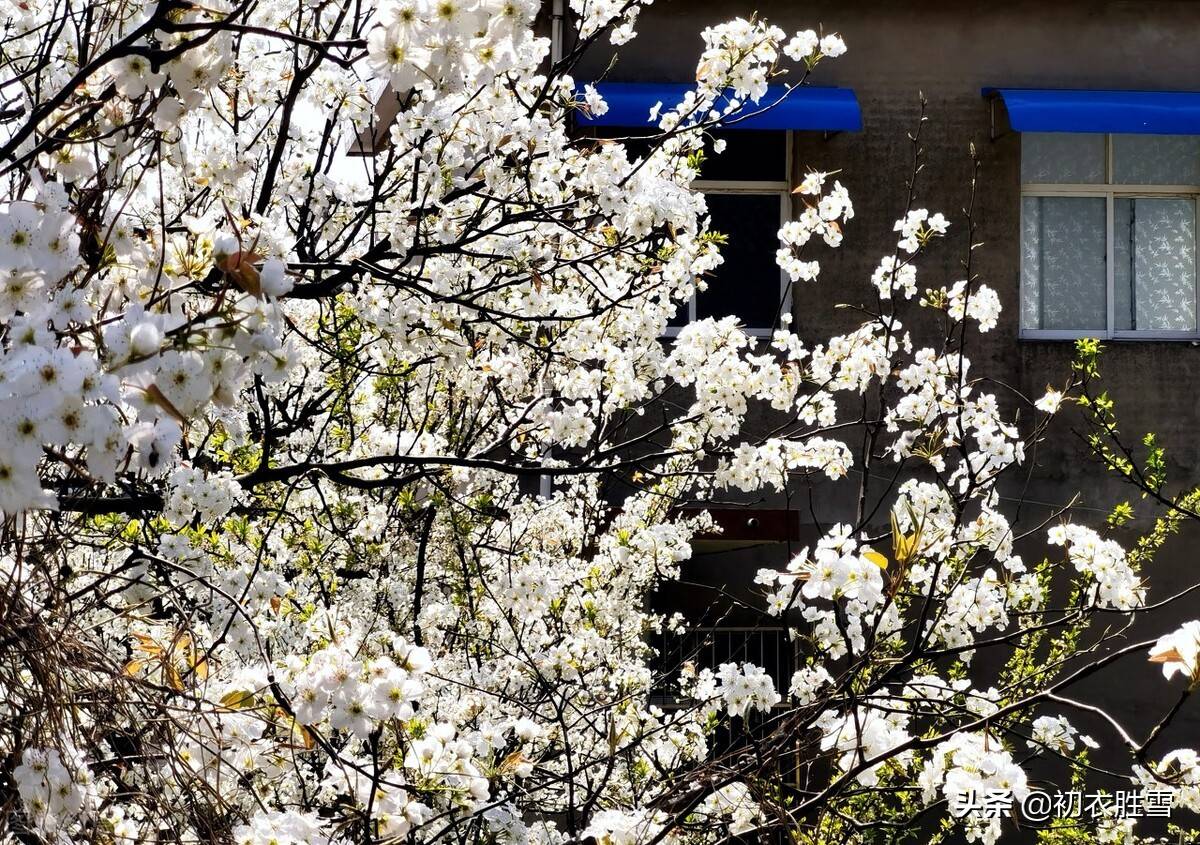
(1050, 401)
(345, 464)
(1179, 652)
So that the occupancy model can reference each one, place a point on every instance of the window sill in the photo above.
(673, 332)
(1120, 337)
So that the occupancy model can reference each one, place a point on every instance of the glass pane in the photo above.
(749, 156)
(638, 142)
(1063, 277)
(680, 318)
(1062, 158)
(1154, 253)
(748, 282)
(1156, 159)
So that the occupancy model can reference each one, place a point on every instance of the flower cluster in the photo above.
(1178, 772)
(59, 795)
(823, 216)
(917, 228)
(196, 495)
(740, 688)
(447, 45)
(1057, 734)
(978, 302)
(970, 764)
(1115, 583)
(895, 274)
(862, 736)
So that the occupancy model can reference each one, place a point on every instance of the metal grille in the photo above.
(708, 648)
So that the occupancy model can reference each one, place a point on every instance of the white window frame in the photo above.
(1109, 192)
(751, 187)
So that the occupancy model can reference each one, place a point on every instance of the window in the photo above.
(707, 648)
(1108, 235)
(749, 198)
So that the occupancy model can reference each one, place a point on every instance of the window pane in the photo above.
(1156, 159)
(1063, 278)
(749, 156)
(1062, 158)
(1154, 253)
(638, 142)
(680, 318)
(748, 282)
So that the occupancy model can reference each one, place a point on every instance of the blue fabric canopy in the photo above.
(1134, 112)
(830, 109)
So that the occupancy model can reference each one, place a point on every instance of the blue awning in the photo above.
(1134, 112)
(830, 109)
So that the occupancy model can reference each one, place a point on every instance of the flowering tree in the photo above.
(335, 486)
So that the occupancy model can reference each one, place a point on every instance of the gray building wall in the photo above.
(949, 51)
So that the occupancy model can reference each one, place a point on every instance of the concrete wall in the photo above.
(949, 51)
